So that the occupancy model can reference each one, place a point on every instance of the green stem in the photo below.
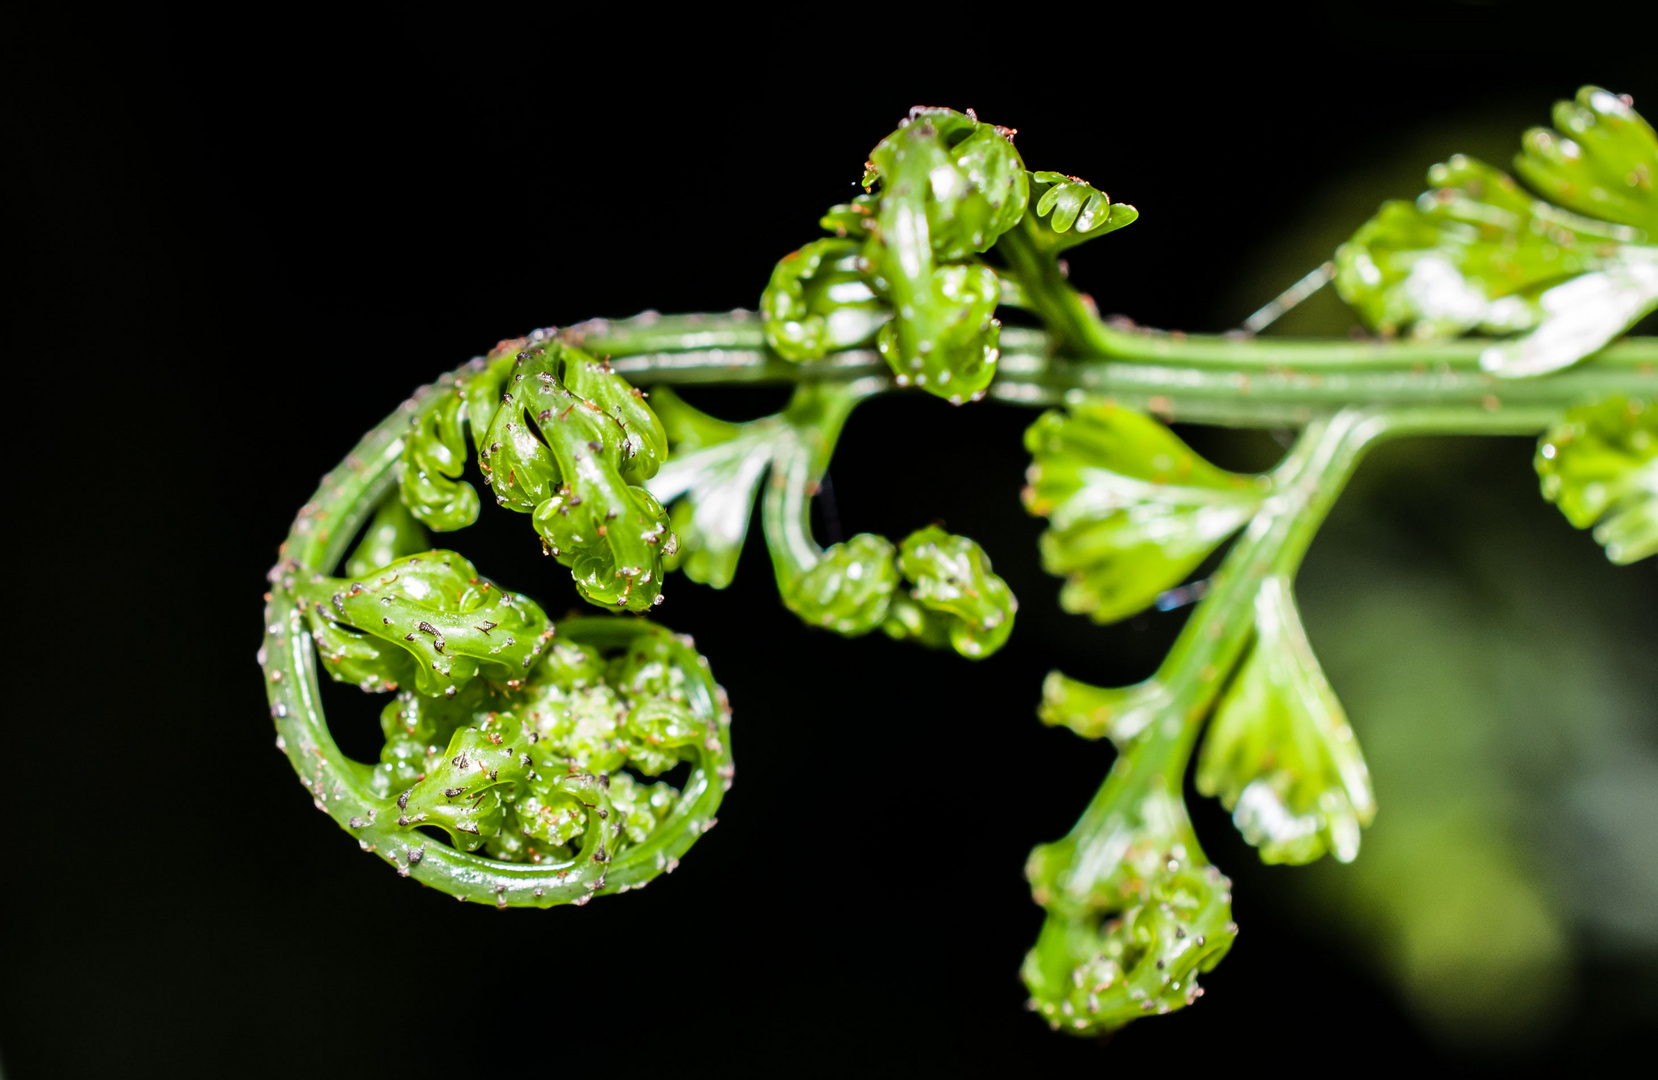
(814, 416)
(1266, 382)
(1305, 486)
(1067, 315)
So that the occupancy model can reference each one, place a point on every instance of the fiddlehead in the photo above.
(571, 444)
(855, 586)
(524, 743)
(819, 300)
(534, 749)
(949, 187)
(1135, 910)
(954, 596)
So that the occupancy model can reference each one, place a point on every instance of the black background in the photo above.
(240, 245)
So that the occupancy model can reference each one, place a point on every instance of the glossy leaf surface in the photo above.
(1135, 911)
(1279, 752)
(818, 301)
(434, 451)
(536, 754)
(571, 444)
(1132, 510)
(1067, 210)
(533, 772)
(710, 483)
(1601, 161)
(849, 588)
(1599, 464)
(1477, 252)
(954, 596)
(973, 188)
(1119, 713)
(949, 186)
(428, 617)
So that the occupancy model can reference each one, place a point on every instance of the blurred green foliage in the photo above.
(1500, 678)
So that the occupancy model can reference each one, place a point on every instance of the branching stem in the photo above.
(1241, 382)
(1306, 485)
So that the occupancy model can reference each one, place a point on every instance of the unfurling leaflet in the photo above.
(534, 772)
(949, 187)
(1477, 252)
(1279, 752)
(1131, 509)
(434, 451)
(1074, 211)
(1116, 712)
(858, 585)
(943, 188)
(428, 620)
(571, 444)
(1598, 162)
(954, 597)
(904, 268)
(1599, 463)
(531, 748)
(851, 588)
(1135, 910)
(818, 301)
(709, 482)
(847, 589)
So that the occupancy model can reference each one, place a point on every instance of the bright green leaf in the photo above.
(1132, 510)
(1074, 210)
(1599, 463)
(1478, 253)
(949, 186)
(1121, 713)
(1280, 753)
(849, 588)
(434, 453)
(710, 482)
(1602, 161)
